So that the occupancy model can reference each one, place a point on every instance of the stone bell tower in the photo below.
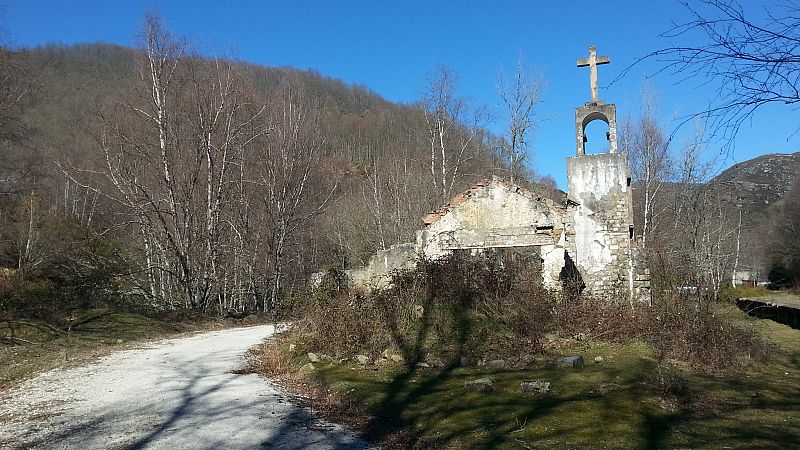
(600, 185)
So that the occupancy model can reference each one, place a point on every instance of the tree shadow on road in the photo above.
(196, 405)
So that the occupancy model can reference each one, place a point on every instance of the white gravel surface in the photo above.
(173, 394)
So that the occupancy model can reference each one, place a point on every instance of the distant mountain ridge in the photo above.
(758, 183)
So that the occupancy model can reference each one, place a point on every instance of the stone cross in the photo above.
(593, 61)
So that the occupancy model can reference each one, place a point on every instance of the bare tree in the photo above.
(18, 160)
(648, 151)
(15, 85)
(372, 193)
(698, 243)
(168, 152)
(452, 125)
(28, 235)
(286, 170)
(784, 238)
(752, 54)
(519, 94)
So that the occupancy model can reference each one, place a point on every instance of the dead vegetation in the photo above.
(470, 308)
(679, 327)
(663, 366)
(443, 310)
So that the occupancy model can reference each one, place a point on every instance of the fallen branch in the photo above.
(523, 444)
(15, 340)
(9, 323)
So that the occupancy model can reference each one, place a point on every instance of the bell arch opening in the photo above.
(596, 123)
(595, 137)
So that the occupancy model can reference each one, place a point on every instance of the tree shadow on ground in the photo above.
(718, 410)
(197, 405)
(413, 411)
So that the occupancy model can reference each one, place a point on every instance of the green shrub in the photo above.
(32, 299)
(68, 267)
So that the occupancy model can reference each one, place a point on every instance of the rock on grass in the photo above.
(306, 369)
(570, 361)
(479, 385)
(539, 386)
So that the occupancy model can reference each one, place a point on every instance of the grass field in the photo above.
(629, 400)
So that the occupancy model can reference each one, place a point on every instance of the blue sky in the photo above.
(390, 46)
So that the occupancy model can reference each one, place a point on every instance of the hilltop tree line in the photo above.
(165, 178)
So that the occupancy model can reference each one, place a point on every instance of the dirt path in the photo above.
(174, 394)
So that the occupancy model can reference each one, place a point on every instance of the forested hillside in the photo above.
(159, 176)
(156, 176)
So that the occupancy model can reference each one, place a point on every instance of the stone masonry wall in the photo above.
(378, 271)
(497, 214)
(599, 184)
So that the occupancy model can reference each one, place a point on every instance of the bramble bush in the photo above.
(458, 306)
(471, 307)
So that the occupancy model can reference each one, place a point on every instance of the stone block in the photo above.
(570, 361)
(479, 385)
(538, 386)
(496, 363)
(306, 369)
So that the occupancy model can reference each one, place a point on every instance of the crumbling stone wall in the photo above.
(589, 238)
(378, 271)
(498, 214)
(492, 215)
(590, 234)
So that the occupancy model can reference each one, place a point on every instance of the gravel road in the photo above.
(173, 394)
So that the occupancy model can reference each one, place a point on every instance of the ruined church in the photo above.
(590, 236)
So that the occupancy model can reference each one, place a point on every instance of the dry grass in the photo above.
(93, 333)
(275, 361)
(268, 359)
(679, 328)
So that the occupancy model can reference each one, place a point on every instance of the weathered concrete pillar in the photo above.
(599, 184)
